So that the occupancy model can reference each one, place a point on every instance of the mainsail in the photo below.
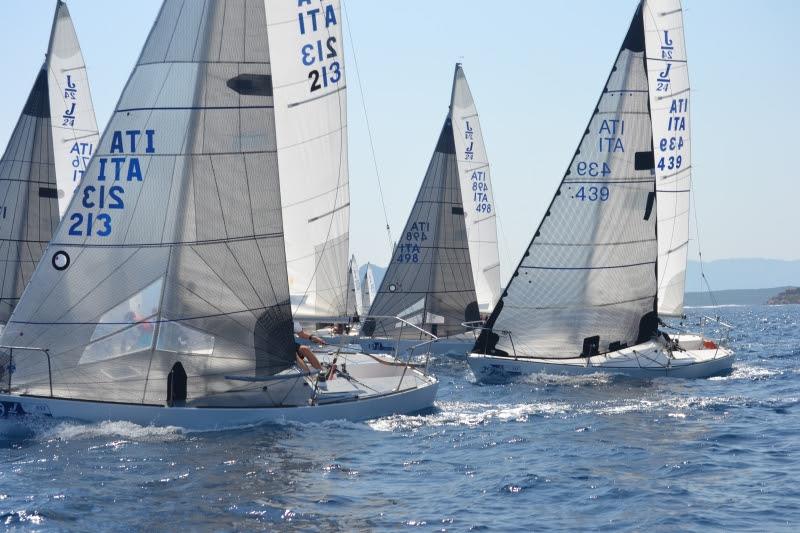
(74, 126)
(476, 192)
(172, 248)
(429, 280)
(44, 160)
(587, 282)
(311, 120)
(669, 103)
(29, 210)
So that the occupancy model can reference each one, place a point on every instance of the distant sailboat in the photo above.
(164, 298)
(354, 290)
(45, 159)
(587, 294)
(368, 289)
(448, 242)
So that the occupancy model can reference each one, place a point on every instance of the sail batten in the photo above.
(587, 282)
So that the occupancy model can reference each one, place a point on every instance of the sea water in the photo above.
(541, 453)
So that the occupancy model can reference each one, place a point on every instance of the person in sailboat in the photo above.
(304, 353)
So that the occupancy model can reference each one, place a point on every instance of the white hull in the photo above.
(455, 347)
(644, 361)
(375, 394)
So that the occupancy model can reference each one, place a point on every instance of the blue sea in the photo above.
(543, 453)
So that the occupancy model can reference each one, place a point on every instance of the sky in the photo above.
(535, 70)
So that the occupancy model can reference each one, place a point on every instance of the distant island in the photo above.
(789, 296)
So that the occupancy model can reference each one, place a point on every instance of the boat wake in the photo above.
(126, 431)
(470, 414)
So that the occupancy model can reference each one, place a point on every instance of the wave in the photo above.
(469, 414)
(128, 431)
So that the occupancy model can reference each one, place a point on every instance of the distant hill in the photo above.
(732, 297)
(727, 274)
(734, 281)
(789, 296)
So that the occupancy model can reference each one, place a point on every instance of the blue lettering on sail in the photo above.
(123, 169)
(320, 54)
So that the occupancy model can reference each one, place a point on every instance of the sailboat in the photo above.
(164, 297)
(445, 267)
(45, 159)
(609, 256)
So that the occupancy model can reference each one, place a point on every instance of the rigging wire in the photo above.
(369, 130)
(703, 277)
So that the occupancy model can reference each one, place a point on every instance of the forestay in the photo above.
(74, 125)
(429, 279)
(29, 209)
(669, 102)
(311, 115)
(587, 282)
(476, 193)
(172, 248)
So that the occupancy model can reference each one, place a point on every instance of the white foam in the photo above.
(127, 431)
(470, 414)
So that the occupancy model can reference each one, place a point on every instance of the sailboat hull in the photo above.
(455, 347)
(211, 419)
(377, 386)
(644, 361)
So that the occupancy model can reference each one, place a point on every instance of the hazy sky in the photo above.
(536, 70)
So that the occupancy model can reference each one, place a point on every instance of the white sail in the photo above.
(476, 193)
(172, 249)
(305, 40)
(368, 290)
(587, 282)
(354, 289)
(73, 121)
(669, 103)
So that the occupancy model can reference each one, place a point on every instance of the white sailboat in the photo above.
(164, 298)
(45, 159)
(445, 269)
(587, 294)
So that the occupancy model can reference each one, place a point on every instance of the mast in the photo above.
(587, 283)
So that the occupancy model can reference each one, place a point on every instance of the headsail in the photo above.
(311, 120)
(476, 193)
(172, 249)
(587, 282)
(74, 125)
(669, 103)
(29, 208)
(429, 280)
